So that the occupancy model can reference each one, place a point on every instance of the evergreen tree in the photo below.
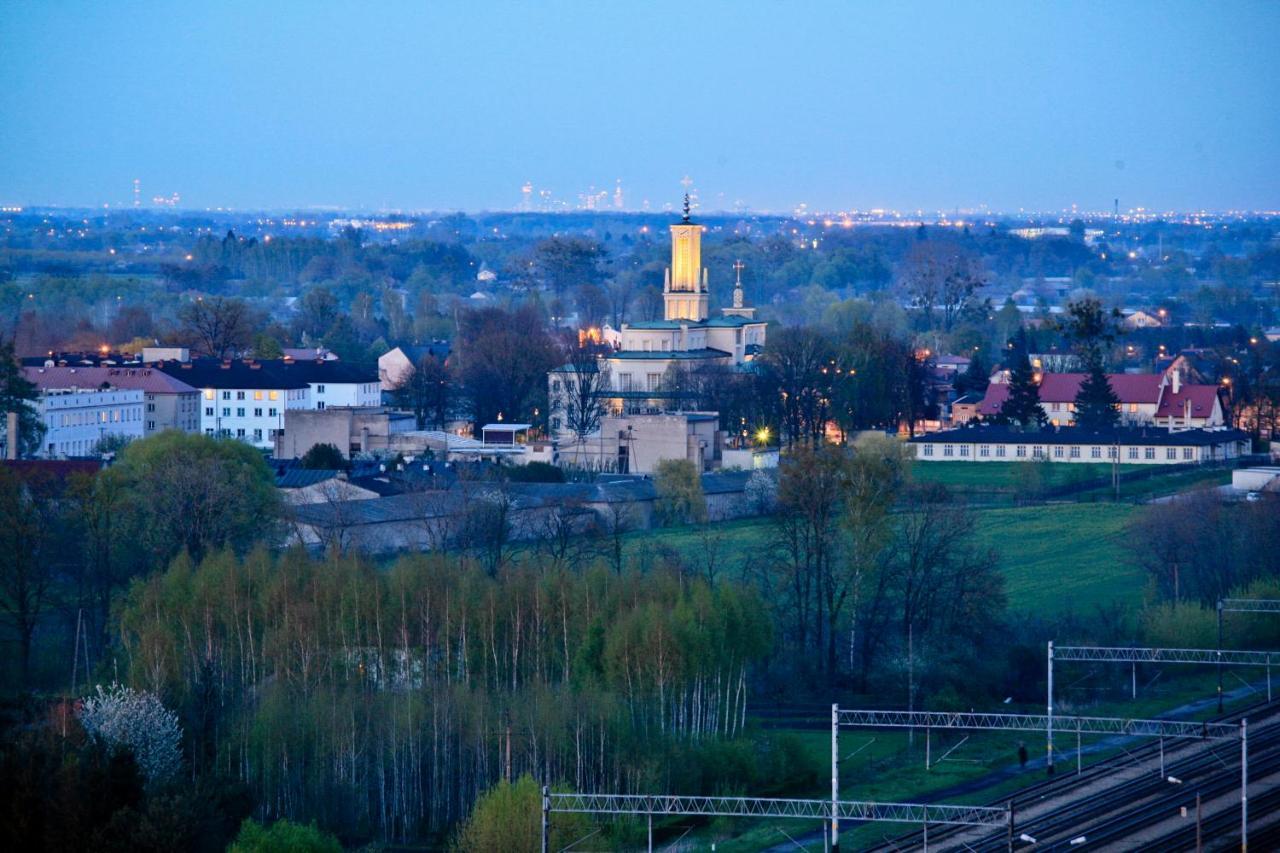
(976, 377)
(1097, 406)
(1022, 406)
(16, 395)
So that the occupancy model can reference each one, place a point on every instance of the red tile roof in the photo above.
(1201, 397)
(146, 379)
(1142, 388)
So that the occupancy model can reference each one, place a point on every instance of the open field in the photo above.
(1004, 476)
(1055, 558)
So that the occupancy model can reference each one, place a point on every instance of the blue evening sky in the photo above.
(442, 105)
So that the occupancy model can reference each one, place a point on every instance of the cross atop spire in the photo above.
(738, 267)
(686, 207)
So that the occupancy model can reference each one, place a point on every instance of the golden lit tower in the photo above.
(684, 292)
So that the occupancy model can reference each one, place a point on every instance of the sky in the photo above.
(765, 105)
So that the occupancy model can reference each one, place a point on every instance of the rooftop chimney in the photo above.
(1177, 380)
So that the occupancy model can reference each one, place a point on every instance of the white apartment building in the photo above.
(247, 399)
(76, 419)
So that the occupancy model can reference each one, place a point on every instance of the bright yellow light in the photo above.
(762, 435)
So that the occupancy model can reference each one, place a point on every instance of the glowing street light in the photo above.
(762, 436)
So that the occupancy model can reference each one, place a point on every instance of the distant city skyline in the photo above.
(456, 106)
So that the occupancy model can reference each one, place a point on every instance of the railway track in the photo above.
(1103, 812)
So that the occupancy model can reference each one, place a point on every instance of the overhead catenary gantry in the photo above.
(763, 807)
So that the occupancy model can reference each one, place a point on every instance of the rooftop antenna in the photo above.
(137, 193)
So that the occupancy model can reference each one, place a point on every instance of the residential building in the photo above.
(396, 365)
(1126, 445)
(635, 444)
(243, 399)
(76, 419)
(1145, 398)
(247, 399)
(168, 402)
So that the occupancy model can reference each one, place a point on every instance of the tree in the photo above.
(1097, 406)
(28, 538)
(317, 312)
(584, 379)
(194, 493)
(566, 263)
(1022, 406)
(283, 836)
(324, 457)
(218, 326)
(503, 358)
(1090, 328)
(427, 390)
(679, 489)
(508, 817)
(941, 275)
(16, 395)
(796, 371)
(122, 717)
(976, 377)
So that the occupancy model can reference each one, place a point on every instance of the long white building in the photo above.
(76, 419)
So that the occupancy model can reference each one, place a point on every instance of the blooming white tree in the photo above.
(136, 720)
(761, 492)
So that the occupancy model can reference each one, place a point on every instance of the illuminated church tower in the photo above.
(684, 291)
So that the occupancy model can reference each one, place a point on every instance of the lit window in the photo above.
(1133, 408)
(257, 395)
(273, 395)
(208, 393)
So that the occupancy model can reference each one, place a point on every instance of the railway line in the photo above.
(1125, 796)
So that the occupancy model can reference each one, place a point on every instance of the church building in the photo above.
(686, 338)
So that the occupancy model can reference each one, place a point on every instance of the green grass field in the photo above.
(1004, 476)
(1055, 558)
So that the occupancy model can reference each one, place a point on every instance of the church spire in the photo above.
(686, 207)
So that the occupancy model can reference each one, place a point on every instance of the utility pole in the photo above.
(1049, 728)
(1244, 786)
(835, 777)
(1219, 655)
(546, 823)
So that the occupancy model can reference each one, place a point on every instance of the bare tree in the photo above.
(427, 390)
(584, 382)
(219, 327)
(940, 275)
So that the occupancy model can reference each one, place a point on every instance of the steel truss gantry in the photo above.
(1250, 605)
(1109, 654)
(1037, 722)
(757, 807)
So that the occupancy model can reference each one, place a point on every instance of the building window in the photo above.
(928, 449)
(1171, 453)
(226, 395)
(208, 393)
(239, 411)
(209, 431)
(151, 407)
(1149, 452)
(273, 395)
(1187, 454)
(948, 450)
(1071, 407)
(208, 411)
(271, 413)
(239, 395)
(240, 433)
(1111, 452)
(555, 423)
(257, 395)
(1133, 453)
(1057, 451)
(1037, 452)
(1075, 453)
(984, 450)
(257, 413)
(151, 425)
(1021, 451)
(257, 435)
(1133, 408)
(999, 450)
(320, 405)
(1057, 407)
(319, 389)
(1095, 453)
(964, 450)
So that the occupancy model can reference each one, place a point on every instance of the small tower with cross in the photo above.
(738, 309)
